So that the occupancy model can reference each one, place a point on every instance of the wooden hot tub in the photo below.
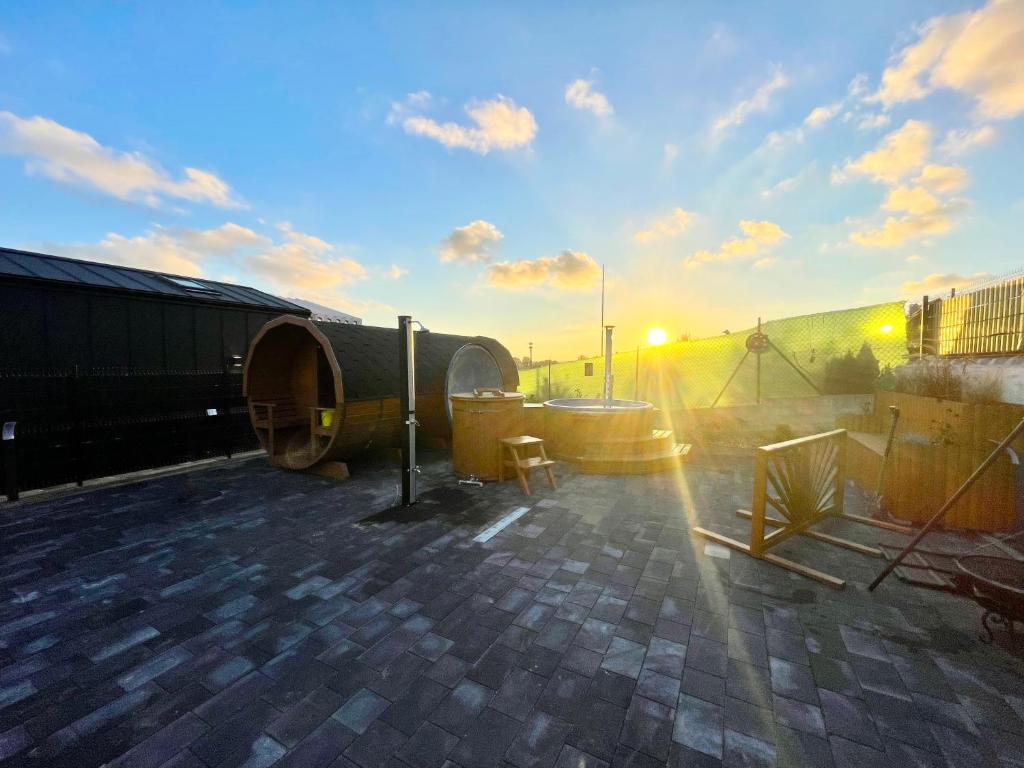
(610, 437)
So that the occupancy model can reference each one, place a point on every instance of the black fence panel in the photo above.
(74, 425)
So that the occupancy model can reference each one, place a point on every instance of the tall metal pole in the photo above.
(602, 306)
(608, 379)
(407, 399)
(531, 354)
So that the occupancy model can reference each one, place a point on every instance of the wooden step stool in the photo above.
(523, 465)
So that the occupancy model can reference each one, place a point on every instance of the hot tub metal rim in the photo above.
(597, 406)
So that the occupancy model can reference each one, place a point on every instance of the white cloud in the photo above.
(187, 252)
(299, 264)
(765, 262)
(900, 154)
(915, 200)
(787, 185)
(858, 86)
(943, 282)
(396, 272)
(895, 231)
(960, 142)
(669, 154)
(666, 227)
(572, 270)
(914, 258)
(77, 159)
(497, 123)
(901, 157)
(475, 242)
(760, 235)
(758, 102)
(978, 53)
(871, 121)
(294, 269)
(943, 179)
(819, 116)
(581, 95)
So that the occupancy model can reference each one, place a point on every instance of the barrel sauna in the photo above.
(479, 420)
(321, 391)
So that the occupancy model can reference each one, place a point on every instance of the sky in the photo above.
(475, 165)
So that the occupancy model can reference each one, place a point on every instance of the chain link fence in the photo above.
(839, 352)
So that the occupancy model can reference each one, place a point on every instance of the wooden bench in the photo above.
(275, 413)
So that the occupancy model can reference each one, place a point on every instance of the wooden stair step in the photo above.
(658, 442)
(636, 465)
(531, 463)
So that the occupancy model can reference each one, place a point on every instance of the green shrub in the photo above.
(852, 375)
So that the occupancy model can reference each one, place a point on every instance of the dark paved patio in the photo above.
(243, 616)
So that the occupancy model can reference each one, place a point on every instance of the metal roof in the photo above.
(322, 314)
(26, 265)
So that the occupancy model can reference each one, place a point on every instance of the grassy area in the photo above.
(691, 373)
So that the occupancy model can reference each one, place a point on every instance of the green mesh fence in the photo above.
(824, 350)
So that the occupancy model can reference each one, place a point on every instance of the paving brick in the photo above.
(570, 757)
(408, 712)
(852, 754)
(539, 742)
(461, 706)
(376, 745)
(488, 738)
(360, 710)
(563, 693)
(595, 635)
(793, 681)
(428, 747)
(519, 693)
(648, 727)
(492, 668)
(597, 733)
(699, 725)
(849, 718)
(304, 717)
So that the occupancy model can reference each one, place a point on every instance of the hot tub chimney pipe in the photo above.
(609, 380)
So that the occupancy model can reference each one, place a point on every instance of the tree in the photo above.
(851, 375)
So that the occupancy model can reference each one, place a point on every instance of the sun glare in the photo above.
(886, 328)
(656, 336)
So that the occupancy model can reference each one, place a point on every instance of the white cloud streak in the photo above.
(666, 227)
(570, 270)
(497, 124)
(75, 158)
(758, 102)
(759, 236)
(581, 94)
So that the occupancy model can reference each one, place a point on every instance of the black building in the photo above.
(107, 369)
(62, 313)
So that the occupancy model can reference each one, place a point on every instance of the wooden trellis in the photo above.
(802, 480)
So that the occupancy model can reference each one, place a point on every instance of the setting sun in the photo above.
(656, 336)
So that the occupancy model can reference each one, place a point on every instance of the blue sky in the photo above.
(473, 164)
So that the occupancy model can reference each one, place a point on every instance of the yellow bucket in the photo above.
(326, 418)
